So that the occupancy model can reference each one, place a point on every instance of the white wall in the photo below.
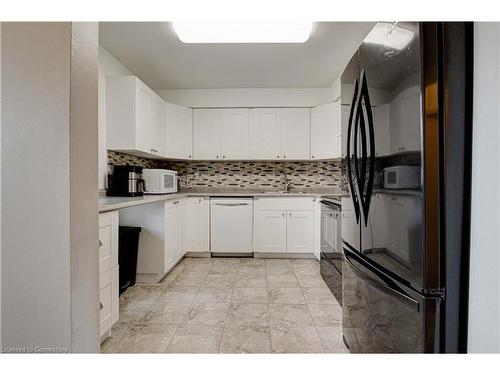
(36, 305)
(0, 185)
(84, 237)
(48, 186)
(108, 65)
(249, 97)
(484, 296)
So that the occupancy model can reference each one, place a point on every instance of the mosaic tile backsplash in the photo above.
(242, 174)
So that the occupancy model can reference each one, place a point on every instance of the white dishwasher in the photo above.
(231, 223)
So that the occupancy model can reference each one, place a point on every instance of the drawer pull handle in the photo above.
(100, 243)
(101, 306)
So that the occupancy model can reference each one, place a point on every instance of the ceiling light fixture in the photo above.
(389, 35)
(199, 31)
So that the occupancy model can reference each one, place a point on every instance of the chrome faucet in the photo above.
(286, 181)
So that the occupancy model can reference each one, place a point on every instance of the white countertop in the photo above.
(116, 203)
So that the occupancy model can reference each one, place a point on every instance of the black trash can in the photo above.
(128, 247)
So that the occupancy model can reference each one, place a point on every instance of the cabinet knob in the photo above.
(100, 243)
(312, 156)
(217, 156)
(290, 214)
(283, 214)
(223, 156)
(189, 156)
(277, 156)
(284, 156)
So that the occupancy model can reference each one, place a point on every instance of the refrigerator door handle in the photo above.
(365, 96)
(382, 282)
(352, 118)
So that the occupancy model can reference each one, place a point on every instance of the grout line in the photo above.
(227, 310)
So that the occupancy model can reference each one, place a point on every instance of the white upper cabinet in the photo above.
(382, 119)
(206, 134)
(235, 133)
(178, 132)
(410, 105)
(134, 117)
(280, 133)
(221, 134)
(156, 131)
(344, 124)
(325, 131)
(296, 133)
(267, 133)
(405, 121)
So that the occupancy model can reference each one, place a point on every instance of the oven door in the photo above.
(331, 255)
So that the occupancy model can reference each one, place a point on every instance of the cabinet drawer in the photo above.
(109, 299)
(108, 241)
(284, 204)
(105, 297)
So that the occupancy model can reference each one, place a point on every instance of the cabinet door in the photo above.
(266, 133)
(198, 224)
(344, 122)
(396, 126)
(381, 119)
(296, 133)
(325, 131)
(300, 232)
(178, 131)
(157, 125)
(108, 298)
(142, 118)
(172, 235)
(108, 241)
(182, 217)
(410, 107)
(206, 134)
(235, 133)
(350, 234)
(270, 231)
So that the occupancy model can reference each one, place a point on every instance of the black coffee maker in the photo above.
(126, 181)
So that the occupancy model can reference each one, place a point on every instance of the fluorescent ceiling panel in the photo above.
(389, 35)
(242, 32)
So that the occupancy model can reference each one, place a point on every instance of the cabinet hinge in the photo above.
(435, 293)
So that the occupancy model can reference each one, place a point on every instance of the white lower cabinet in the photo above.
(299, 232)
(197, 224)
(284, 225)
(108, 300)
(270, 231)
(173, 229)
(169, 229)
(108, 271)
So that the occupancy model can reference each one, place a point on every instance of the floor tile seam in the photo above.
(316, 327)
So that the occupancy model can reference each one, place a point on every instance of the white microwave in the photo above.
(159, 181)
(401, 177)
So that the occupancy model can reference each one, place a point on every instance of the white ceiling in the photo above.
(154, 53)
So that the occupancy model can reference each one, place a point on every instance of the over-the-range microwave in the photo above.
(401, 177)
(159, 181)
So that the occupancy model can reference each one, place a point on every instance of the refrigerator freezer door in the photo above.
(380, 315)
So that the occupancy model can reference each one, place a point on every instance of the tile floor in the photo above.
(231, 305)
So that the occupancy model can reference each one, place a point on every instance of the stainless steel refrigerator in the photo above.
(406, 123)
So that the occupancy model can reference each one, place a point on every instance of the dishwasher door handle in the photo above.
(230, 204)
